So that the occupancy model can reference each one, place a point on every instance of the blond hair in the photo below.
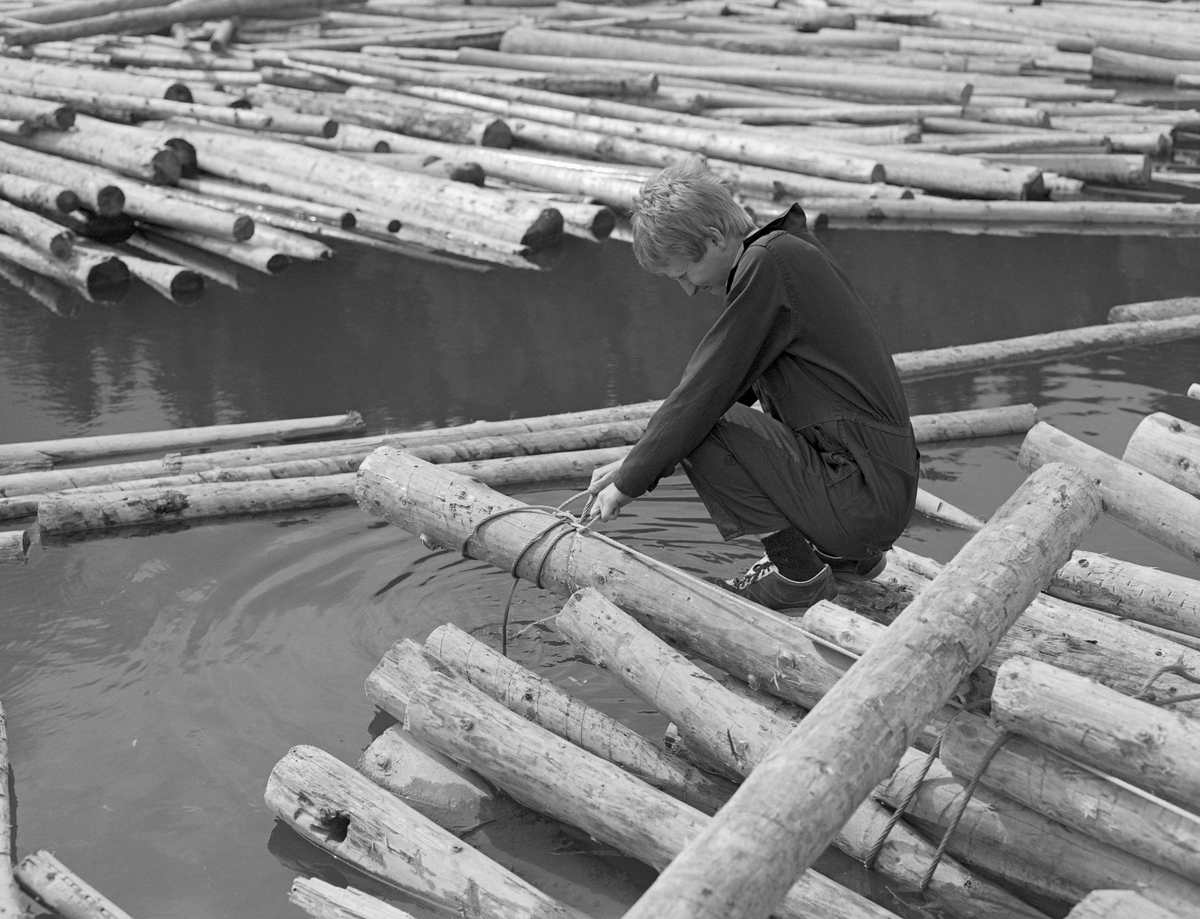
(676, 210)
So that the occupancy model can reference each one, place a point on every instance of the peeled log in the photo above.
(557, 778)
(740, 731)
(92, 188)
(1024, 847)
(545, 704)
(1155, 309)
(347, 815)
(1118, 904)
(1158, 598)
(47, 196)
(1075, 796)
(794, 802)
(741, 637)
(1138, 499)
(981, 422)
(1150, 747)
(14, 549)
(98, 278)
(322, 900)
(44, 454)
(1168, 448)
(43, 876)
(10, 896)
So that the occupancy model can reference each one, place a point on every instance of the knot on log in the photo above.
(169, 502)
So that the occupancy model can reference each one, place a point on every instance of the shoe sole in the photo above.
(855, 577)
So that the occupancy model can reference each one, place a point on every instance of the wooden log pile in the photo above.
(480, 135)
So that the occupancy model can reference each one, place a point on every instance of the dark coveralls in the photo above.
(832, 453)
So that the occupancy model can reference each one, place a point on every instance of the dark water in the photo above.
(152, 683)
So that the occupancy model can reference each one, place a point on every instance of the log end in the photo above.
(471, 173)
(278, 263)
(110, 200)
(166, 167)
(67, 201)
(603, 223)
(187, 287)
(546, 230)
(62, 243)
(108, 281)
(497, 134)
(178, 92)
(64, 117)
(329, 128)
(243, 227)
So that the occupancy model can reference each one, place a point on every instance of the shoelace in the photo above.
(757, 572)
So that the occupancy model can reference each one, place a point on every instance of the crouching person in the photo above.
(826, 472)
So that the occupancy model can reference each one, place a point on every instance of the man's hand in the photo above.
(608, 499)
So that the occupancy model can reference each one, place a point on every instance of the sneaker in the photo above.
(763, 584)
(849, 569)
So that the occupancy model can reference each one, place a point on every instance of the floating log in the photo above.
(56, 297)
(10, 896)
(430, 783)
(1134, 740)
(264, 259)
(98, 193)
(75, 512)
(738, 636)
(49, 453)
(14, 549)
(177, 283)
(43, 876)
(606, 802)
(740, 732)
(542, 702)
(1136, 592)
(137, 154)
(1022, 846)
(849, 741)
(38, 73)
(1125, 169)
(1062, 789)
(1114, 904)
(98, 278)
(1169, 448)
(914, 365)
(43, 235)
(931, 506)
(211, 267)
(1138, 499)
(322, 900)
(1123, 65)
(346, 814)
(1155, 309)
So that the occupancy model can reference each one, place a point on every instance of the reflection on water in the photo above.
(152, 682)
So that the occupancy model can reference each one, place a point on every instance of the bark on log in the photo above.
(1087, 800)
(14, 549)
(1134, 740)
(740, 732)
(1169, 448)
(1155, 309)
(322, 900)
(1141, 501)
(10, 895)
(855, 735)
(543, 703)
(1116, 904)
(1024, 847)
(45, 454)
(346, 814)
(43, 876)
(609, 804)
(916, 365)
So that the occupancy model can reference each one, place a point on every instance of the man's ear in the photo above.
(716, 235)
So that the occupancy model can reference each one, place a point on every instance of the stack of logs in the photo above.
(50, 481)
(134, 133)
(1013, 733)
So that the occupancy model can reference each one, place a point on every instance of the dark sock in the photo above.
(792, 554)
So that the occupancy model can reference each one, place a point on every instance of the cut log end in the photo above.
(471, 173)
(603, 223)
(166, 167)
(64, 117)
(497, 134)
(243, 228)
(108, 281)
(278, 263)
(329, 129)
(110, 200)
(546, 231)
(62, 243)
(178, 92)
(67, 201)
(187, 287)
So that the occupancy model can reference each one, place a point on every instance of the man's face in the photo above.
(708, 273)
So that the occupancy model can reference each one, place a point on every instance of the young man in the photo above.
(827, 470)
